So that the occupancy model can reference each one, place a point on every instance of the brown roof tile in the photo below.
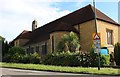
(67, 22)
(24, 35)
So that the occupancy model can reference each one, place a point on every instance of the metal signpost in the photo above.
(96, 41)
(97, 46)
(96, 38)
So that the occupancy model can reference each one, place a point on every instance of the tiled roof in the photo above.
(67, 22)
(24, 35)
(62, 26)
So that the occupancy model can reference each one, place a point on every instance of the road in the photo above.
(9, 72)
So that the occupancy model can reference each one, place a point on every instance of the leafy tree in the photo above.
(5, 48)
(117, 53)
(69, 43)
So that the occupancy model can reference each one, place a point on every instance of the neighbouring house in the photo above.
(44, 39)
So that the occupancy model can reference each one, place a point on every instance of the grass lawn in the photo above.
(105, 71)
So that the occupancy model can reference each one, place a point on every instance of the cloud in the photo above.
(17, 15)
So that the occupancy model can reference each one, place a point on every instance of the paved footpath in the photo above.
(9, 72)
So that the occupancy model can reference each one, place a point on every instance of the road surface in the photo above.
(9, 72)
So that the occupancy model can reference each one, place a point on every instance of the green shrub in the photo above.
(63, 59)
(6, 58)
(76, 59)
(18, 55)
(104, 59)
(14, 54)
(93, 58)
(15, 50)
(35, 58)
(26, 58)
(16, 58)
(31, 58)
(117, 53)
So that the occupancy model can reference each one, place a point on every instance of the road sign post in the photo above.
(97, 46)
(96, 33)
(96, 41)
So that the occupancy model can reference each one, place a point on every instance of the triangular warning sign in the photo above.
(96, 37)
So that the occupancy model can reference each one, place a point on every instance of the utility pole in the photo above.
(96, 33)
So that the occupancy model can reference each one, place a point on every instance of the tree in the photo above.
(69, 43)
(5, 48)
(117, 53)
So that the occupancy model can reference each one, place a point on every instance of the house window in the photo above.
(37, 49)
(52, 43)
(32, 50)
(27, 50)
(15, 43)
(44, 49)
(109, 37)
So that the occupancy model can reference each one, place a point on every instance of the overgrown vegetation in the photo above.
(117, 53)
(67, 55)
(76, 59)
(31, 58)
(18, 55)
(63, 59)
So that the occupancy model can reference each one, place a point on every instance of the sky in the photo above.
(17, 15)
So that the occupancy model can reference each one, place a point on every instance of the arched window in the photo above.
(44, 49)
(52, 43)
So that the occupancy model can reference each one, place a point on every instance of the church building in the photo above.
(44, 39)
